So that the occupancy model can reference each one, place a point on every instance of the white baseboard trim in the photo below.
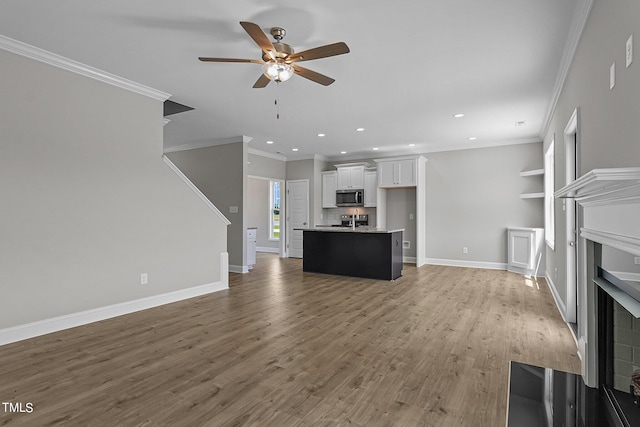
(242, 269)
(55, 324)
(468, 264)
(409, 259)
(562, 308)
(267, 249)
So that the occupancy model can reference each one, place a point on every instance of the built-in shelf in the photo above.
(533, 172)
(532, 196)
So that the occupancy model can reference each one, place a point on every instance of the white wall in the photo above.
(87, 202)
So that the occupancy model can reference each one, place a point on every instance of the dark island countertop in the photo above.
(351, 230)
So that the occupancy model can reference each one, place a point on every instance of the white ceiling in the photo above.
(413, 65)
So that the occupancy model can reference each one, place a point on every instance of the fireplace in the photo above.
(609, 286)
(618, 337)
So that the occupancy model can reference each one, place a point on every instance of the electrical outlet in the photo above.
(636, 260)
(410, 216)
(465, 250)
(629, 50)
(406, 244)
(144, 278)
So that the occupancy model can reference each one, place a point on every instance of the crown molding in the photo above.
(41, 55)
(578, 22)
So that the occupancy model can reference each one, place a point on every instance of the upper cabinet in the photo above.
(350, 177)
(397, 173)
(370, 189)
(329, 187)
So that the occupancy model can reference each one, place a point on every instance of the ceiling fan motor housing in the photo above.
(283, 50)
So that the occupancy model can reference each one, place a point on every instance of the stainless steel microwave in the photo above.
(348, 198)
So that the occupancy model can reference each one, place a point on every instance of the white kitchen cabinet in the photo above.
(251, 246)
(525, 251)
(397, 173)
(329, 187)
(370, 189)
(350, 177)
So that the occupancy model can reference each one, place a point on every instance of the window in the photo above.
(274, 210)
(549, 201)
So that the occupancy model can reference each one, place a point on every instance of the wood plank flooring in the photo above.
(287, 348)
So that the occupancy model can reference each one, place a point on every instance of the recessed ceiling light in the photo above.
(375, 148)
(321, 134)
(412, 145)
(459, 115)
(294, 149)
(343, 152)
(473, 138)
(360, 129)
(269, 142)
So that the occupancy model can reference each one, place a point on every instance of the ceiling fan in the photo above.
(279, 59)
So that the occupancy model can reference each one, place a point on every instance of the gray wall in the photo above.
(266, 167)
(220, 173)
(474, 195)
(87, 202)
(401, 203)
(608, 121)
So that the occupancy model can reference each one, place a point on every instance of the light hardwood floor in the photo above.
(287, 348)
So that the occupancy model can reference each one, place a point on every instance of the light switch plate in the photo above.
(233, 209)
(629, 50)
(612, 76)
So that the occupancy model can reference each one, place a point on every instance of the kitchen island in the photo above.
(361, 252)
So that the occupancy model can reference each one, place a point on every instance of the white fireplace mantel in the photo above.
(611, 202)
(602, 186)
(609, 214)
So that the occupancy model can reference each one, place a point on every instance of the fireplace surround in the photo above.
(608, 284)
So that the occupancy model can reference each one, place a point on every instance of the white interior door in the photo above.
(297, 215)
(571, 236)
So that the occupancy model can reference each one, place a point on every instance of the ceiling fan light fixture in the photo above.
(278, 71)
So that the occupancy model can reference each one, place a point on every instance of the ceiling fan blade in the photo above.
(320, 52)
(254, 61)
(313, 76)
(258, 36)
(261, 82)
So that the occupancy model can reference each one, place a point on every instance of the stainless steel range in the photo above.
(361, 220)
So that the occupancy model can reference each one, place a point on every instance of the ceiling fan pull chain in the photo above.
(276, 100)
